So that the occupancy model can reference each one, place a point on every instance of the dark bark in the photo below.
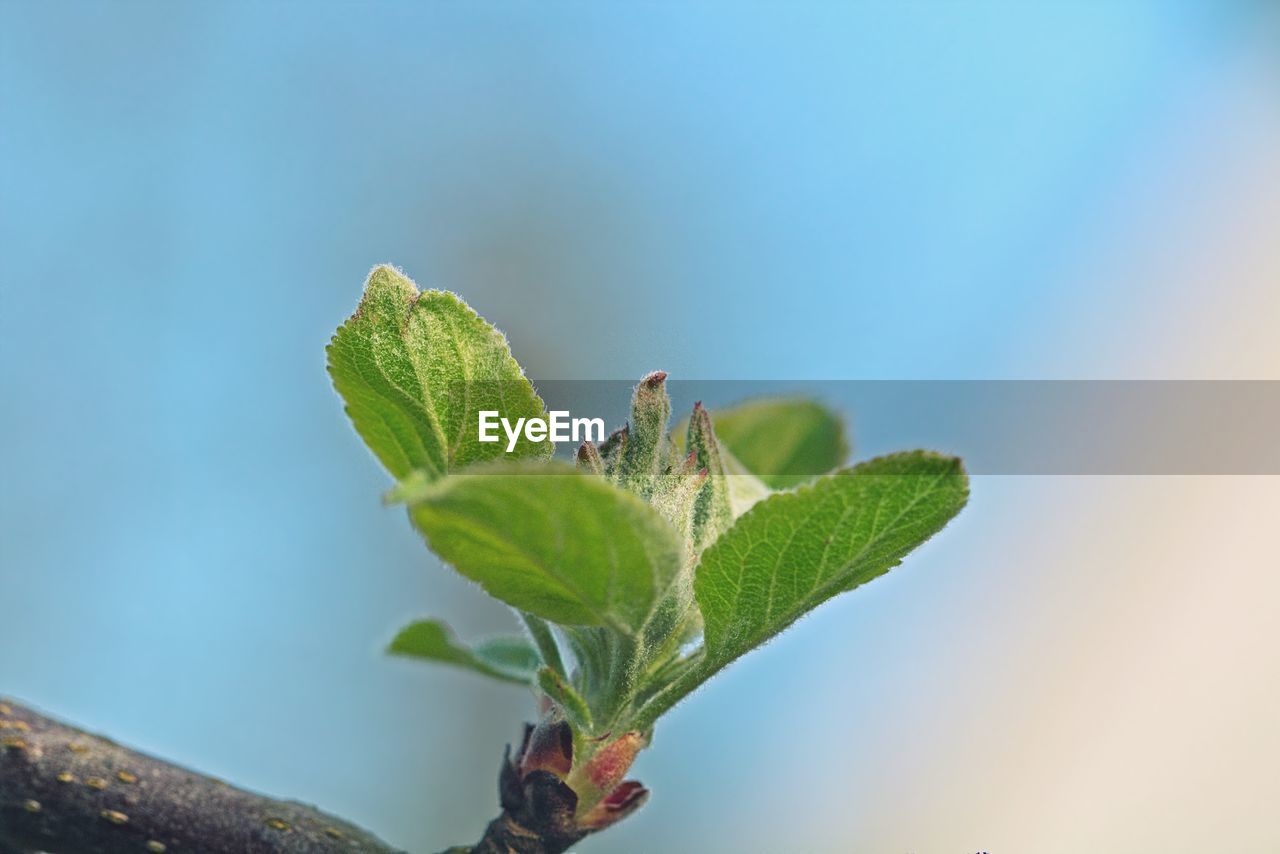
(65, 791)
(537, 815)
(539, 809)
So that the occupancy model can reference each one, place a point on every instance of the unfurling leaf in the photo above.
(712, 511)
(510, 659)
(415, 369)
(611, 450)
(567, 547)
(588, 459)
(794, 550)
(675, 496)
(645, 452)
(569, 700)
(784, 442)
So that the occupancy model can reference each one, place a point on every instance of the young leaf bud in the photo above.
(565, 698)
(675, 494)
(642, 459)
(712, 512)
(588, 459)
(612, 448)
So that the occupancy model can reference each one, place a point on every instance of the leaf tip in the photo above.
(653, 379)
(588, 458)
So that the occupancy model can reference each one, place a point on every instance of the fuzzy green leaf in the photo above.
(713, 509)
(784, 442)
(644, 454)
(569, 700)
(415, 369)
(510, 659)
(794, 550)
(570, 548)
(545, 640)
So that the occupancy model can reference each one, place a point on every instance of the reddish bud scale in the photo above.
(628, 797)
(607, 768)
(545, 795)
(549, 747)
(625, 794)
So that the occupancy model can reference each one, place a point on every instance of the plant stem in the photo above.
(544, 638)
(661, 702)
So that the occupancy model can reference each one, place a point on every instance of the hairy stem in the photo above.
(544, 638)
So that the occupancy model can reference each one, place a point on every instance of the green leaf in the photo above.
(592, 652)
(416, 368)
(794, 550)
(511, 659)
(570, 548)
(784, 442)
(563, 695)
(745, 489)
(545, 640)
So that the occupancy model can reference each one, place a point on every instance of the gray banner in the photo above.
(1035, 427)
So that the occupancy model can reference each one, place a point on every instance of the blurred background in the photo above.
(193, 555)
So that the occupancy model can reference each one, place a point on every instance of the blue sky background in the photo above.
(193, 556)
